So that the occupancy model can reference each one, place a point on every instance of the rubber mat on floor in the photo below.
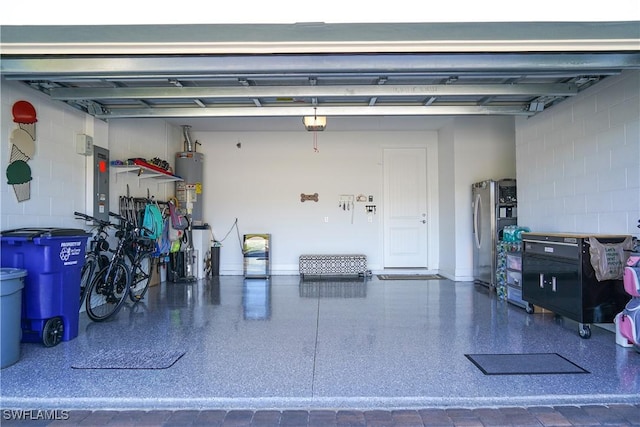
(524, 364)
(129, 359)
(410, 277)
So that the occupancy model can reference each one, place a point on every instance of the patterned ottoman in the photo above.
(332, 265)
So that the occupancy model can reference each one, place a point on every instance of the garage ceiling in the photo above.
(207, 71)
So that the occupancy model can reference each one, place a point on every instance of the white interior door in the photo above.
(405, 208)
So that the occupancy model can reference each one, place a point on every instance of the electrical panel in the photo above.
(100, 191)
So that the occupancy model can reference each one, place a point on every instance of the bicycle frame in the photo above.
(95, 258)
(139, 254)
(111, 284)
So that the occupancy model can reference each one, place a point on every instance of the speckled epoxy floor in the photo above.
(285, 344)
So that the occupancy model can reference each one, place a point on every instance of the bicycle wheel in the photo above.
(108, 291)
(140, 276)
(86, 274)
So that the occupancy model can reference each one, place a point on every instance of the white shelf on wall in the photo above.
(143, 172)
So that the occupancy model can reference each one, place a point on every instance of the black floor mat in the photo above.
(524, 364)
(410, 277)
(129, 359)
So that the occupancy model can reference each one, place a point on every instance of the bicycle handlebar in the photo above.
(86, 217)
(115, 215)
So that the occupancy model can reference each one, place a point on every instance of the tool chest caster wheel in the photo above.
(585, 331)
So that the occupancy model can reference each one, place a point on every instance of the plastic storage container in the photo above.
(514, 261)
(11, 284)
(53, 258)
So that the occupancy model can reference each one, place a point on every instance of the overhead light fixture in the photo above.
(314, 123)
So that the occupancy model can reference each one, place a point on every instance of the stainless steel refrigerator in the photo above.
(494, 204)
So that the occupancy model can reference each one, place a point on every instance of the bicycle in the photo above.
(111, 284)
(95, 258)
(139, 259)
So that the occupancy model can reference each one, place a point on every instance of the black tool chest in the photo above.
(557, 275)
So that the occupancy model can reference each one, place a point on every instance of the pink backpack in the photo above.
(628, 321)
(178, 220)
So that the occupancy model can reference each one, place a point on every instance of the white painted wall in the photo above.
(471, 149)
(447, 204)
(579, 162)
(260, 184)
(145, 139)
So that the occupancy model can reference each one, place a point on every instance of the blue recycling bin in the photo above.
(53, 258)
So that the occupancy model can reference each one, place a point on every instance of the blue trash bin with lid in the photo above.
(53, 258)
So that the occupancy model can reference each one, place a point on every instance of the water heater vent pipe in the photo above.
(189, 145)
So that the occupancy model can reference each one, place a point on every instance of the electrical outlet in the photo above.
(370, 218)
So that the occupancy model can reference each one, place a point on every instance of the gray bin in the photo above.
(11, 284)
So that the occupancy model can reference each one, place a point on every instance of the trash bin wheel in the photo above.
(52, 332)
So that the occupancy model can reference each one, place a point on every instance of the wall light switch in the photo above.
(326, 219)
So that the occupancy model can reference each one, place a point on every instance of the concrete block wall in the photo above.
(57, 187)
(578, 163)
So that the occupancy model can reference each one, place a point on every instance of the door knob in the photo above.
(424, 221)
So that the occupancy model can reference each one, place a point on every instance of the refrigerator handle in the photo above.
(476, 214)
